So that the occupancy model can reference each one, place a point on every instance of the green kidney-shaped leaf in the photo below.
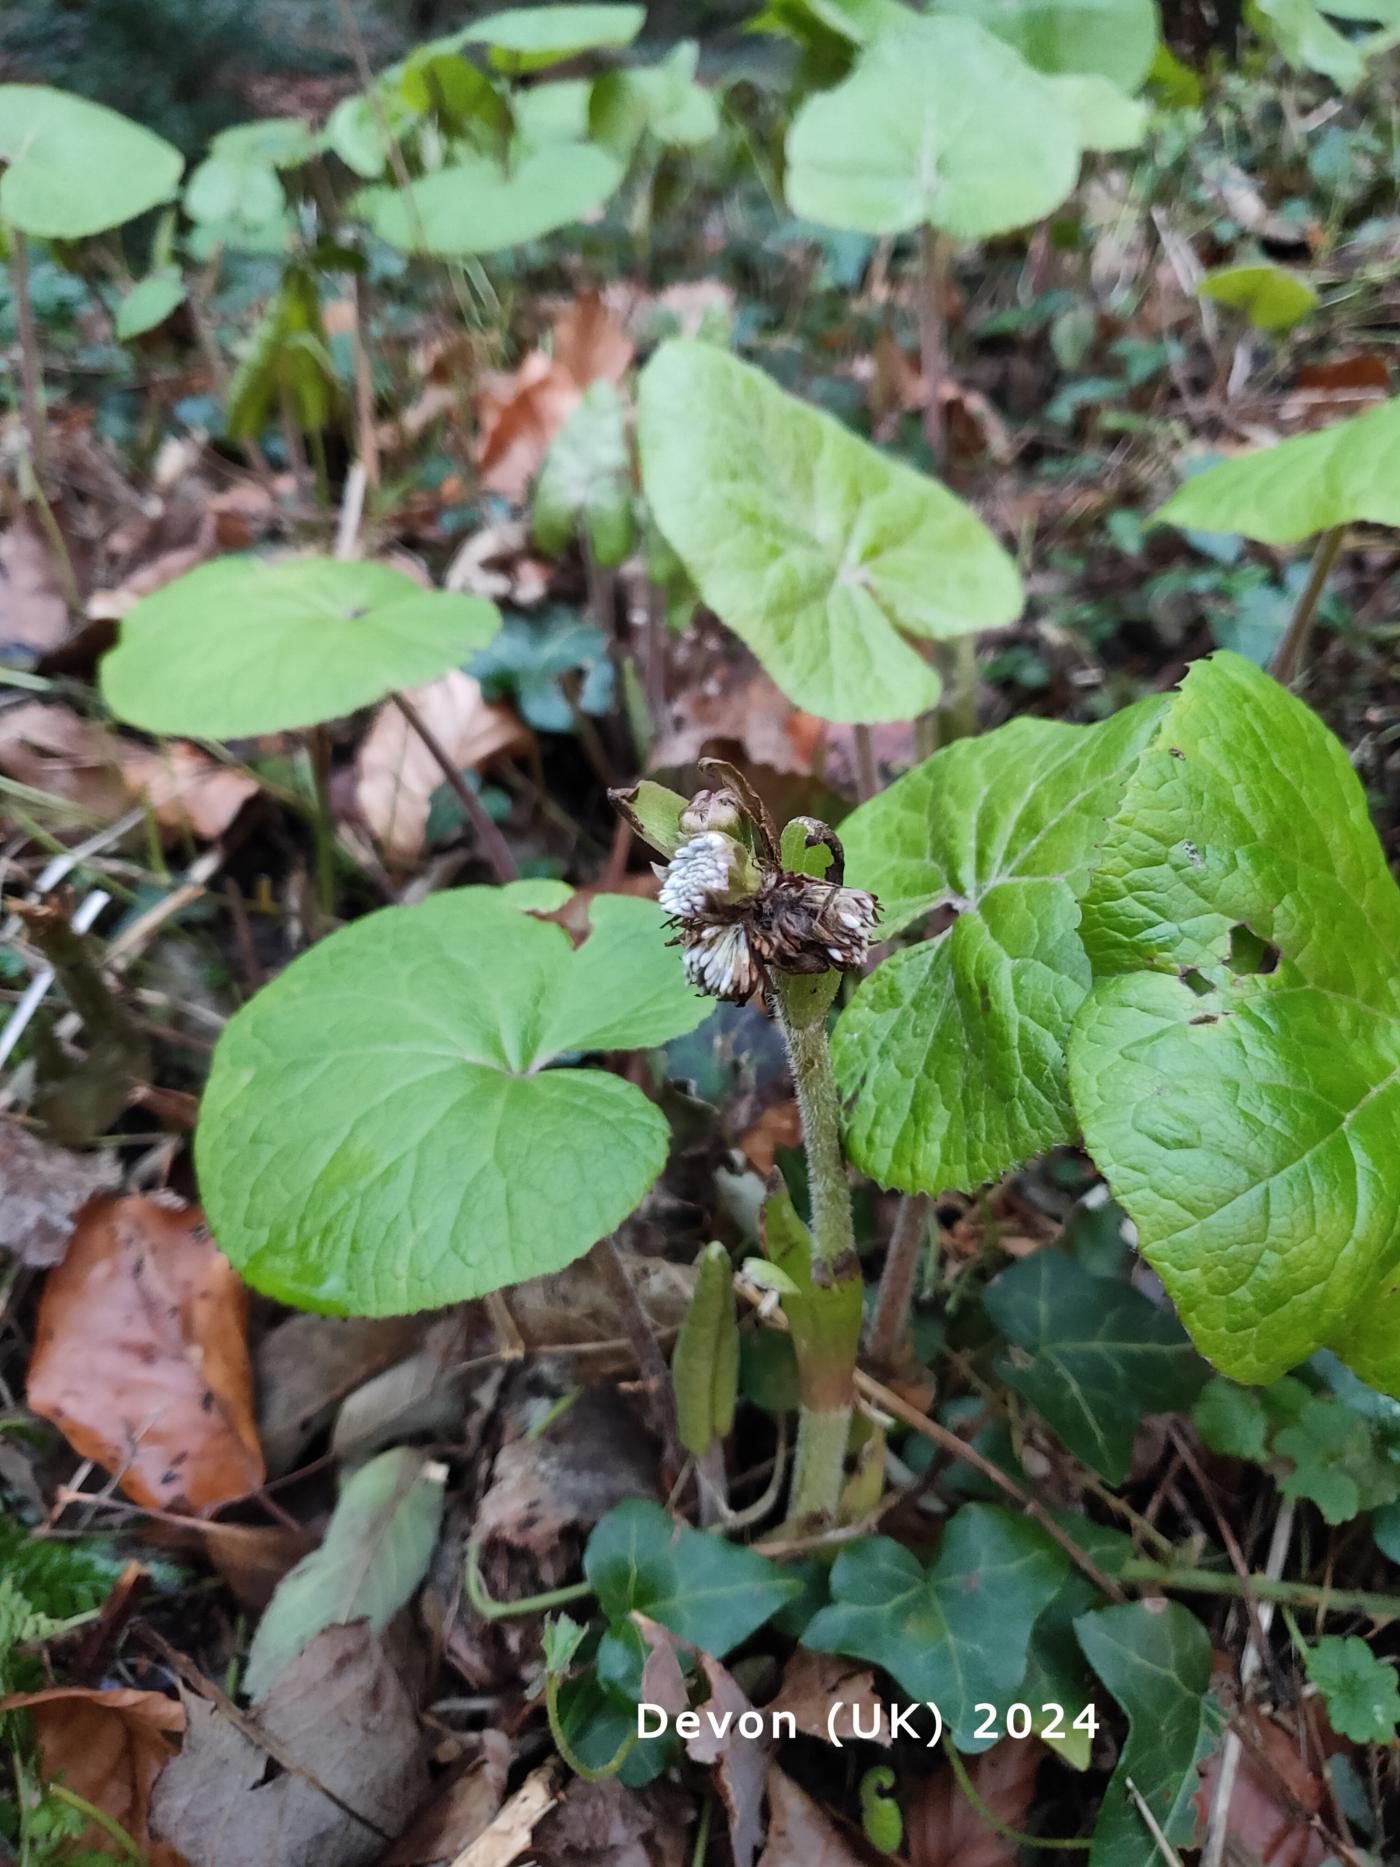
(1271, 297)
(1106, 117)
(74, 168)
(1311, 43)
(375, 1552)
(663, 100)
(816, 549)
(476, 206)
(149, 303)
(940, 124)
(529, 38)
(1096, 1356)
(242, 646)
(1341, 476)
(1113, 39)
(951, 1054)
(1236, 1067)
(585, 484)
(1154, 1657)
(956, 1634)
(382, 1131)
(712, 1593)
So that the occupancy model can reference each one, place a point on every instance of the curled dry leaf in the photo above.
(942, 1829)
(341, 1712)
(43, 1188)
(520, 412)
(108, 1747)
(141, 1356)
(814, 1682)
(396, 774)
(185, 788)
(33, 608)
(509, 1832)
(800, 1832)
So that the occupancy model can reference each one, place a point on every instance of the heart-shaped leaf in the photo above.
(1236, 1067)
(382, 1131)
(1105, 117)
(1341, 476)
(1271, 297)
(712, 1593)
(663, 101)
(951, 1054)
(585, 484)
(242, 646)
(940, 124)
(1096, 1356)
(1154, 1657)
(956, 1634)
(1113, 39)
(76, 168)
(149, 303)
(476, 206)
(529, 38)
(816, 549)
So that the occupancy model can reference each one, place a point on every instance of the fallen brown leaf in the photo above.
(608, 1825)
(342, 1713)
(800, 1833)
(141, 1357)
(739, 1763)
(306, 1367)
(743, 708)
(420, 1394)
(942, 1829)
(396, 774)
(53, 749)
(185, 788)
(108, 1747)
(461, 1809)
(1266, 1828)
(33, 607)
(509, 1833)
(814, 1682)
(519, 412)
(43, 1188)
(253, 1557)
(778, 1126)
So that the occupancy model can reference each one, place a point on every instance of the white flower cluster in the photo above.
(720, 961)
(698, 875)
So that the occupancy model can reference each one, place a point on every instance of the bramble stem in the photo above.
(1262, 1587)
(494, 846)
(910, 1234)
(829, 1387)
(1289, 659)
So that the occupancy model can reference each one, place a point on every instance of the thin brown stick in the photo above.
(637, 1326)
(1291, 650)
(494, 846)
(31, 369)
(911, 1230)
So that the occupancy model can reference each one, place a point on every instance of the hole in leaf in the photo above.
(1197, 982)
(1249, 953)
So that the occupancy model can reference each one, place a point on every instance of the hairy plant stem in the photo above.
(957, 715)
(907, 1242)
(867, 769)
(1263, 1587)
(828, 1383)
(31, 369)
(494, 846)
(1288, 661)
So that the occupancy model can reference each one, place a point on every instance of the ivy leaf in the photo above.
(1238, 1080)
(1363, 1702)
(241, 646)
(951, 1054)
(1271, 297)
(1101, 1356)
(955, 1634)
(1154, 1657)
(1342, 475)
(711, 1593)
(585, 484)
(475, 206)
(75, 168)
(1113, 39)
(375, 1552)
(940, 124)
(1057, 1673)
(382, 1131)
(817, 550)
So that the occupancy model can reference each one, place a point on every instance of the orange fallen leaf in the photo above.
(108, 1747)
(779, 1126)
(141, 1357)
(185, 788)
(396, 775)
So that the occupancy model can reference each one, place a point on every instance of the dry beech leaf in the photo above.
(108, 1747)
(253, 1557)
(43, 1188)
(341, 1711)
(53, 749)
(33, 608)
(944, 1830)
(141, 1357)
(396, 775)
(185, 788)
(744, 709)
(519, 412)
(814, 1682)
(800, 1833)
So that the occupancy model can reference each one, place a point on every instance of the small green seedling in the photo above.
(1271, 297)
